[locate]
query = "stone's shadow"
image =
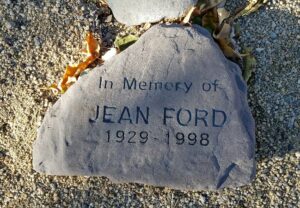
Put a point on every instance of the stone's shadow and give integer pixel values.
(274, 89)
(273, 137)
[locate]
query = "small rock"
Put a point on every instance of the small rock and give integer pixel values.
(2, 154)
(7, 2)
(37, 42)
(53, 186)
(273, 35)
(259, 49)
(108, 18)
(202, 199)
(10, 25)
(55, 197)
(138, 12)
(108, 36)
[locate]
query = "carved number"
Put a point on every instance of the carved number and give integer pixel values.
(121, 136)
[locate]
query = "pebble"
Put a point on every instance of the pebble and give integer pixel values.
(202, 199)
(109, 18)
(10, 25)
(259, 49)
(37, 42)
(2, 155)
(273, 35)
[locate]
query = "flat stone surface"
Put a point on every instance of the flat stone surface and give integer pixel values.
(137, 12)
(170, 110)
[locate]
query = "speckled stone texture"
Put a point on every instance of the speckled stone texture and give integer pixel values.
(194, 131)
(137, 12)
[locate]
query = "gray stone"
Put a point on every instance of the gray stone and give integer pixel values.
(181, 86)
(137, 12)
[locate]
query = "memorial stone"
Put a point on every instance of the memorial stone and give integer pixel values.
(170, 110)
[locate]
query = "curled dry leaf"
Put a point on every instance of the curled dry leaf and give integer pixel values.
(251, 7)
(222, 33)
(210, 20)
(228, 50)
(205, 5)
(103, 2)
(73, 71)
(212, 15)
(223, 14)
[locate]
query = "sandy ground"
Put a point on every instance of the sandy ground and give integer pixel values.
(38, 39)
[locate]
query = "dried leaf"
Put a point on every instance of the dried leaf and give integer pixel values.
(201, 4)
(249, 64)
(93, 46)
(124, 42)
(251, 7)
(224, 28)
(54, 89)
(223, 31)
(223, 14)
(73, 71)
(188, 16)
(206, 5)
(226, 20)
(228, 50)
(211, 20)
(104, 2)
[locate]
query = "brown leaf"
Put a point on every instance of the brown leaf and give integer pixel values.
(93, 46)
(73, 71)
(251, 7)
(206, 5)
(222, 31)
(228, 50)
(103, 2)
(211, 20)
(223, 14)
